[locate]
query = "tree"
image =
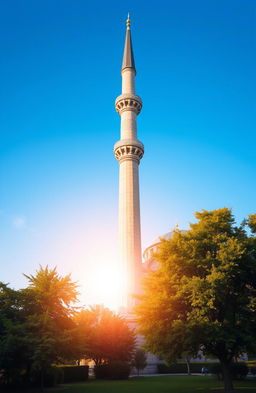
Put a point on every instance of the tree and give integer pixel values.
(13, 344)
(107, 336)
(203, 296)
(36, 325)
(139, 360)
(53, 294)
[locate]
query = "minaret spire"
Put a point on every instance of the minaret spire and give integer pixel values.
(129, 151)
(128, 21)
(128, 58)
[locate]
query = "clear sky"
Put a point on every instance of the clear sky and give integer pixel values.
(59, 76)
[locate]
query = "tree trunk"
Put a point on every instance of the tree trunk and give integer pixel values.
(188, 366)
(227, 376)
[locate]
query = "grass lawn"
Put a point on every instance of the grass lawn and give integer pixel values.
(161, 384)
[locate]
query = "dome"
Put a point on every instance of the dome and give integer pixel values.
(148, 254)
(150, 250)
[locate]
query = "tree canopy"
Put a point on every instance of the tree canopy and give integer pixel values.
(40, 326)
(203, 296)
(53, 294)
(108, 336)
(36, 328)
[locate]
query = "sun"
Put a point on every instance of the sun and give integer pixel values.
(105, 284)
(110, 288)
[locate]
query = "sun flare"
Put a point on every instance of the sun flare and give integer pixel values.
(105, 284)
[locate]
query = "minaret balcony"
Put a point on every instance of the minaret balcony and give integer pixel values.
(127, 149)
(128, 102)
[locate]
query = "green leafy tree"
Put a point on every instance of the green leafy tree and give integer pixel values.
(53, 294)
(14, 347)
(140, 360)
(36, 325)
(203, 296)
(107, 336)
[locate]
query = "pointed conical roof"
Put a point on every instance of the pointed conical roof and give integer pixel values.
(128, 58)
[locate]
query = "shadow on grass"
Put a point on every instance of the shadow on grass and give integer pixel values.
(247, 386)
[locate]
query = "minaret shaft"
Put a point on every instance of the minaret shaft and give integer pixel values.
(128, 81)
(128, 125)
(129, 227)
(128, 152)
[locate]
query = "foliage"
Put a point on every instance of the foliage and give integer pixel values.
(202, 297)
(181, 367)
(14, 342)
(115, 369)
(107, 336)
(139, 360)
(239, 371)
(74, 373)
(53, 295)
(52, 377)
(39, 326)
(253, 370)
(36, 328)
(101, 371)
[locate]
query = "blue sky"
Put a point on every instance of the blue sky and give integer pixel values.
(60, 74)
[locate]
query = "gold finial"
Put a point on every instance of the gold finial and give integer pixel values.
(128, 22)
(176, 227)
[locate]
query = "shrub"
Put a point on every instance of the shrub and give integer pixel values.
(239, 371)
(119, 370)
(197, 367)
(176, 368)
(75, 373)
(101, 371)
(14, 377)
(216, 370)
(113, 370)
(253, 370)
(181, 368)
(51, 377)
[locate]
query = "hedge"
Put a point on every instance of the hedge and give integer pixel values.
(252, 366)
(253, 370)
(239, 370)
(181, 368)
(52, 376)
(74, 373)
(113, 370)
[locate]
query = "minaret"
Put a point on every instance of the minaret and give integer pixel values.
(129, 151)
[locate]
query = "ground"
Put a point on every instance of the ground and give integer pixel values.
(161, 384)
